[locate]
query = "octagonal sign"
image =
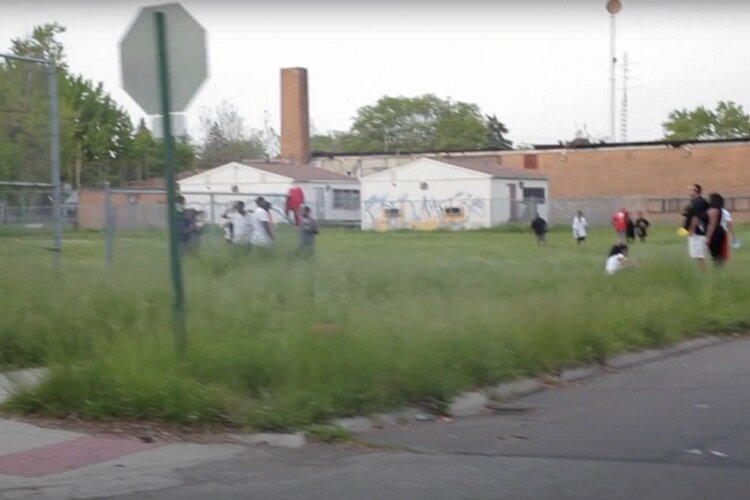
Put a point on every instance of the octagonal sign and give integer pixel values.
(186, 52)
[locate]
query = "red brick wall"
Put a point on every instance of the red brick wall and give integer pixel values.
(657, 171)
(91, 205)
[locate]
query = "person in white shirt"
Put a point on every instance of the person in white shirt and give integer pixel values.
(239, 223)
(579, 227)
(262, 236)
(618, 259)
(728, 225)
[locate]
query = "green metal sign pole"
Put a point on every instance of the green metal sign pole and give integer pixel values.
(180, 334)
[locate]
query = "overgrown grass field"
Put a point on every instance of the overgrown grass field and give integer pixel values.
(374, 322)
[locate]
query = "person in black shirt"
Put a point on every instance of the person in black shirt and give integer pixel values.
(695, 223)
(716, 235)
(630, 228)
(641, 227)
(539, 226)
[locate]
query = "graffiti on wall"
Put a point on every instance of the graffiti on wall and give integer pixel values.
(461, 211)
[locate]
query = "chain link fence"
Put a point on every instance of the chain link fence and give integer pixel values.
(119, 213)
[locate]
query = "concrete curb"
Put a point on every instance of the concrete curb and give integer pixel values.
(20, 380)
(477, 402)
(515, 389)
(468, 404)
(355, 424)
(471, 403)
(295, 440)
(629, 359)
(582, 373)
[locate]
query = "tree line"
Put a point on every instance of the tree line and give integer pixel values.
(99, 141)
(422, 123)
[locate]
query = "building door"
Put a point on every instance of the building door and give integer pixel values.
(513, 202)
(320, 203)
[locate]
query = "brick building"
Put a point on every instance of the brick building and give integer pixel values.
(654, 176)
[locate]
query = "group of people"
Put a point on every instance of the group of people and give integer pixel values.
(245, 230)
(627, 229)
(708, 226)
(580, 228)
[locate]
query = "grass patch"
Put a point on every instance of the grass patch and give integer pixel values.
(375, 322)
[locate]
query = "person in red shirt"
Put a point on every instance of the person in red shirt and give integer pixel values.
(294, 201)
(620, 223)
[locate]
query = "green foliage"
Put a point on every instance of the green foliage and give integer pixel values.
(419, 123)
(42, 44)
(727, 121)
(97, 138)
(283, 344)
(333, 142)
(496, 132)
(423, 123)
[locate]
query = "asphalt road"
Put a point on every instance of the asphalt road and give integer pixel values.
(674, 429)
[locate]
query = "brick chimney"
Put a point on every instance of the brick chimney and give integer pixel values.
(295, 116)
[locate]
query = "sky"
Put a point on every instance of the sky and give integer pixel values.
(542, 67)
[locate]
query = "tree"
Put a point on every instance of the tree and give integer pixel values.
(335, 141)
(96, 134)
(418, 124)
(42, 44)
(102, 133)
(727, 121)
(227, 138)
(496, 131)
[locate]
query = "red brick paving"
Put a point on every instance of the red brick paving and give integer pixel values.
(73, 454)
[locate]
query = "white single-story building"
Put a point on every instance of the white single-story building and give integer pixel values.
(455, 193)
(333, 197)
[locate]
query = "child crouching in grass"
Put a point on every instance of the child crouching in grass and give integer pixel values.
(618, 259)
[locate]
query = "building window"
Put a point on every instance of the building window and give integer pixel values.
(392, 213)
(453, 211)
(346, 199)
(534, 194)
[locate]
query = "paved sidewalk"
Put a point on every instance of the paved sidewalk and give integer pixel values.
(38, 462)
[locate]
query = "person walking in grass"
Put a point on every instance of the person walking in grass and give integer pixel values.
(539, 226)
(620, 223)
(580, 227)
(618, 259)
(629, 228)
(308, 231)
(716, 236)
(641, 227)
(239, 222)
(728, 225)
(695, 223)
(262, 236)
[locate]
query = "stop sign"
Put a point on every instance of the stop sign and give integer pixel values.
(186, 46)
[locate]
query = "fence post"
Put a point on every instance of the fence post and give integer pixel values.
(212, 229)
(109, 224)
(54, 129)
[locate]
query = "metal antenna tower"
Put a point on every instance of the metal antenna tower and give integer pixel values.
(624, 104)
